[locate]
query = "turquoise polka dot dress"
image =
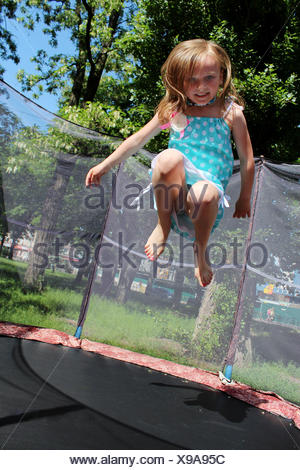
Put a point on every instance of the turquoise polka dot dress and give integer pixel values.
(205, 143)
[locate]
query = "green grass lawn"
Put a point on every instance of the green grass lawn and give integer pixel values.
(133, 326)
(56, 307)
(276, 377)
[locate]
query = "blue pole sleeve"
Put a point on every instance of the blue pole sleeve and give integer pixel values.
(78, 332)
(228, 372)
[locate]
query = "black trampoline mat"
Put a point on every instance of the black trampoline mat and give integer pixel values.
(54, 397)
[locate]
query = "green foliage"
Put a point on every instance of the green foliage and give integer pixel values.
(270, 100)
(239, 49)
(268, 88)
(101, 118)
(113, 121)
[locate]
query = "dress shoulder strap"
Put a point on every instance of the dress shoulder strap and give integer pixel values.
(230, 103)
(178, 123)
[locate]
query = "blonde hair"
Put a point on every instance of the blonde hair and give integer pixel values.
(180, 64)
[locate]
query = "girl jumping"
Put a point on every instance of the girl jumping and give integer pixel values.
(189, 179)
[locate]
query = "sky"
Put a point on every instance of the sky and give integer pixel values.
(28, 43)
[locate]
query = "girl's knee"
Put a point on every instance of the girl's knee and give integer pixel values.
(203, 192)
(169, 160)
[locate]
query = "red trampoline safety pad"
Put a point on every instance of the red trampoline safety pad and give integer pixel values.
(264, 400)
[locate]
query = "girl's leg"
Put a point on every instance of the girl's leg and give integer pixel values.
(168, 180)
(202, 208)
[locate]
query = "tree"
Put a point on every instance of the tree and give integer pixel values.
(262, 41)
(8, 126)
(94, 26)
(270, 91)
(8, 48)
(60, 204)
(215, 318)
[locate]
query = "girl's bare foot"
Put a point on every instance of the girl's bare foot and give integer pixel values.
(203, 271)
(157, 241)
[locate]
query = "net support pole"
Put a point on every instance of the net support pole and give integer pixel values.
(229, 360)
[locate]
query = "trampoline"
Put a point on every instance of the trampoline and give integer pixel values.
(182, 375)
(54, 397)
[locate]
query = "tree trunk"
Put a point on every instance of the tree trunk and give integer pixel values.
(97, 67)
(78, 80)
(126, 277)
(106, 283)
(206, 308)
(80, 273)
(244, 350)
(79, 74)
(2, 242)
(149, 286)
(178, 287)
(12, 247)
(244, 355)
(43, 237)
(3, 220)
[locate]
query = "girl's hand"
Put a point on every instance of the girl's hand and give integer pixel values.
(242, 208)
(94, 175)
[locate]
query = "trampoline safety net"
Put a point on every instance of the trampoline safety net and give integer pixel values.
(73, 258)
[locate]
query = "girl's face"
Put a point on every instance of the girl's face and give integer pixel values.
(203, 84)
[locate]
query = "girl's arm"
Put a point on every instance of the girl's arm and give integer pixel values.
(244, 148)
(127, 148)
